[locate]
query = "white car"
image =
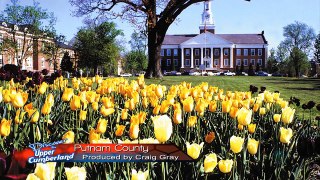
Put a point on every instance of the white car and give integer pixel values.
(194, 73)
(125, 75)
(229, 73)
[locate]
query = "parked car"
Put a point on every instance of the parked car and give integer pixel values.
(175, 73)
(125, 75)
(262, 73)
(244, 74)
(229, 73)
(140, 73)
(277, 74)
(195, 73)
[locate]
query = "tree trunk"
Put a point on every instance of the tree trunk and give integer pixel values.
(154, 48)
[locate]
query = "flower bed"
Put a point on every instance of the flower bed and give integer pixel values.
(229, 134)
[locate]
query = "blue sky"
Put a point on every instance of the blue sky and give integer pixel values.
(230, 17)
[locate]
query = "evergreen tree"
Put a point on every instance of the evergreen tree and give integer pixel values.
(257, 67)
(66, 64)
(237, 70)
(251, 71)
(241, 68)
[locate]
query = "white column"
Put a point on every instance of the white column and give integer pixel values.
(211, 57)
(231, 57)
(221, 57)
(201, 58)
(191, 59)
(182, 57)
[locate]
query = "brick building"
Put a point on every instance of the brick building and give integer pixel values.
(30, 49)
(214, 52)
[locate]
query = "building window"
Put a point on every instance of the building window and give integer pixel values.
(168, 62)
(226, 52)
(253, 52)
(162, 52)
(168, 52)
(238, 62)
(197, 62)
(207, 53)
(175, 62)
(260, 62)
(196, 52)
(259, 52)
(187, 52)
(187, 62)
(253, 62)
(245, 52)
(238, 52)
(226, 62)
(245, 62)
(216, 52)
(175, 52)
(216, 62)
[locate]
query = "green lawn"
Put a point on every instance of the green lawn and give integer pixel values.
(305, 89)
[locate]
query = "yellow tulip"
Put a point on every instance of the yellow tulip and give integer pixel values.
(17, 100)
(276, 118)
(102, 125)
(162, 127)
(120, 129)
(19, 116)
(134, 130)
(75, 103)
(156, 110)
(210, 137)
(142, 117)
(240, 127)
(225, 166)
(42, 88)
(5, 127)
(32, 176)
(236, 144)
(188, 104)
(124, 114)
(165, 105)
(268, 97)
(91, 96)
(244, 116)
(139, 175)
(145, 102)
(46, 108)
(68, 137)
(67, 94)
(194, 149)
(192, 120)
(213, 106)
(159, 91)
(210, 162)
(252, 128)
(256, 107)
(76, 173)
(233, 112)
(252, 146)
(285, 135)
(45, 171)
(287, 115)
(93, 135)
(35, 117)
(83, 115)
(177, 116)
(95, 106)
(106, 111)
(50, 99)
(262, 111)
(226, 106)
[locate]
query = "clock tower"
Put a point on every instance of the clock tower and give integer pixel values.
(207, 23)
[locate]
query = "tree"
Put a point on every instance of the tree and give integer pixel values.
(138, 42)
(257, 67)
(241, 67)
(300, 61)
(298, 35)
(152, 15)
(66, 64)
(272, 64)
(136, 61)
(33, 20)
(317, 49)
(96, 45)
(54, 49)
(251, 71)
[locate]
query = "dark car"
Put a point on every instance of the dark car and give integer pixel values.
(277, 74)
(262, 73)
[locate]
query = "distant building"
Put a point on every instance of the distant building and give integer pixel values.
(211, 51)
(30, 49)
